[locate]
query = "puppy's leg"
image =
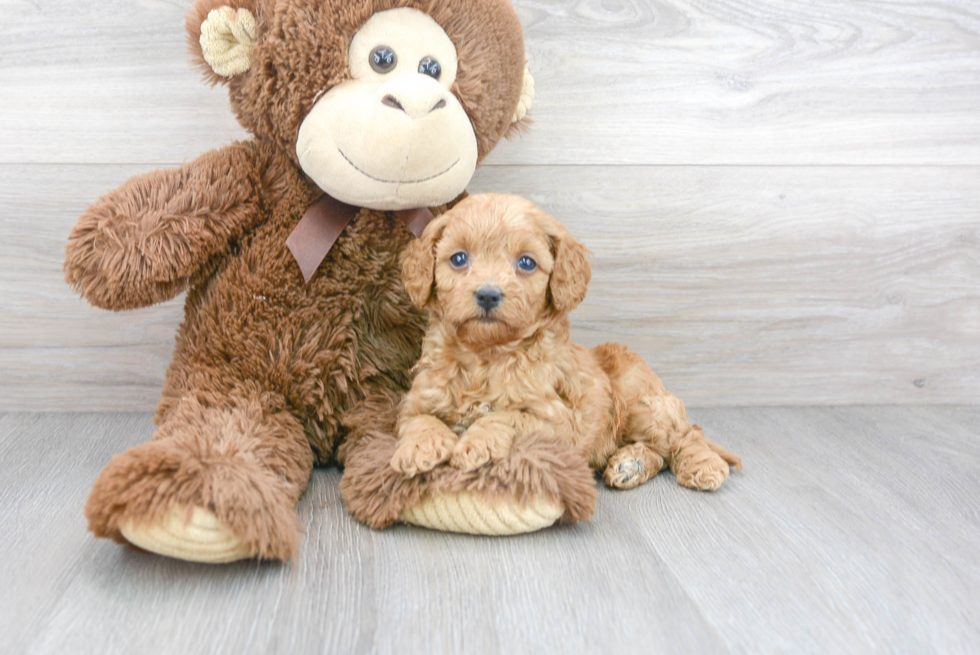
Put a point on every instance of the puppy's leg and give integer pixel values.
(699, 463)
(658, 420)
(632, 465)
(424, 442)
(490, 438)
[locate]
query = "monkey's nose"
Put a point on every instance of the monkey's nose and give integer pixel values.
(488, 297)
(391, 101)
(415, 107)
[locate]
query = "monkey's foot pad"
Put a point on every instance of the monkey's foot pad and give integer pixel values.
(540, 482)
(195, 536)
(472, 514)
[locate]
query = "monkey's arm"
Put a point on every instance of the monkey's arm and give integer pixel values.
(139, 244)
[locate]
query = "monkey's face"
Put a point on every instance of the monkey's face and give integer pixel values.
(394, 136)
(385, 104)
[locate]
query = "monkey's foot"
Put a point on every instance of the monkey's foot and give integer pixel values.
(188, 533)
(539, 482)
(474, 514)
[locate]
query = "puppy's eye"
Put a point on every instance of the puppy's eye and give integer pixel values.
(526, 264)
(429, 66)
(383, 59)
(459, 260)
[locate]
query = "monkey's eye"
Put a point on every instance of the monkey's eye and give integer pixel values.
(459, 260)
(526, 264)
(429, 66)
(383, 59)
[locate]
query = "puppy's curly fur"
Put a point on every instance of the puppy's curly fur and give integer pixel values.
(498, 277)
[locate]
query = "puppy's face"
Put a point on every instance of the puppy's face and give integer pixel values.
(494, 268)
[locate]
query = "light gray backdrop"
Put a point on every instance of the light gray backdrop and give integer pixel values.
(783, 198)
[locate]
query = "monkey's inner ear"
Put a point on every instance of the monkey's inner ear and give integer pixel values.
(527, 97)
(226, 39)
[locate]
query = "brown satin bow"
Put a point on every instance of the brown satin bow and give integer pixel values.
(321, 225)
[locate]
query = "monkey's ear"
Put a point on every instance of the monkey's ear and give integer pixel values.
(572, 272)
(220, 36)
(527, 97)
(419, 262)
(520, 121)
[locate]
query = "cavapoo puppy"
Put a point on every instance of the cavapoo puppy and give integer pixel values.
(498, 277)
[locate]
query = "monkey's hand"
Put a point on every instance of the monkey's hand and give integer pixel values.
(139, 244)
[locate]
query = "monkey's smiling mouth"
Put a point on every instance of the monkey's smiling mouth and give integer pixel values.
(378, 179)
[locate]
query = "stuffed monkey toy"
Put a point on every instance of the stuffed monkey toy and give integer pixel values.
(367, 118)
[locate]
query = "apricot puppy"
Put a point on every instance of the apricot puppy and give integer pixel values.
(498, 277)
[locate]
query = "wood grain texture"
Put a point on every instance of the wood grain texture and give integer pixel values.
(740, 285)
(619, 82)
(851, 530)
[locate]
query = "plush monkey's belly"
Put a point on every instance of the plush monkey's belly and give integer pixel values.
(255, 328)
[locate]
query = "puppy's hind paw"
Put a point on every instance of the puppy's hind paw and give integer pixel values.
(631, 466)
(706, 473)
(626, 474)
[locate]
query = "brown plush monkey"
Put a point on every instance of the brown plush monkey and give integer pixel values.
(367, 117)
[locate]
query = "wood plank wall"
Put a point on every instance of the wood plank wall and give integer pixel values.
(783, 197)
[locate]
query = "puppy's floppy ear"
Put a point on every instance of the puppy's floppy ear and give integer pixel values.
(419, 262)
(572, 272)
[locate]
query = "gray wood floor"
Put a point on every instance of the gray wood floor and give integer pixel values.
(851, 530)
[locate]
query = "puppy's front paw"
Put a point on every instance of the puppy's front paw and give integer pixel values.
(420, 453)
(480, 444)
(470, 454)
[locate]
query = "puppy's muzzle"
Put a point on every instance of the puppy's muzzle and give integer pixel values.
(488, 297)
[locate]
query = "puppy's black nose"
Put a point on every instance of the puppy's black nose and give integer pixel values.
(488, 297)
